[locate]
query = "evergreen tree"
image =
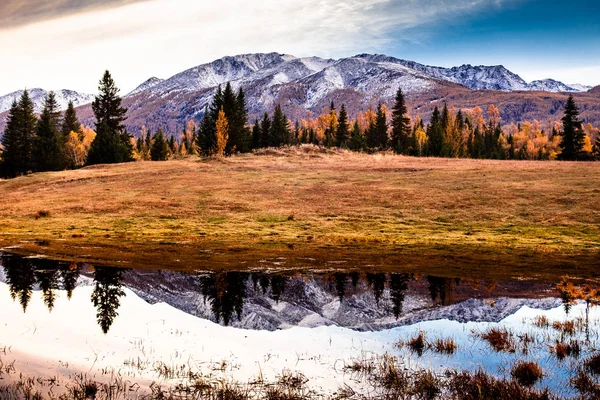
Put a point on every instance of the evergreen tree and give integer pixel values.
(573, 136)
(255, 135)
(435, 132)
(342, 135)
(265, 131)
(400, 126)
(112, 143)
(70, 122)
(296, 138)
(160, 149)
(17, 141)
(49, 145)
(381, 128)
(357, 140)
(279, 134)
(312, 137)
(371, 135)
(597, 148)
(172, 145)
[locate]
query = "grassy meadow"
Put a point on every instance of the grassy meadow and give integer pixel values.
(312, 208)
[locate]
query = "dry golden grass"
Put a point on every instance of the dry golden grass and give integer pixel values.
(463, 216)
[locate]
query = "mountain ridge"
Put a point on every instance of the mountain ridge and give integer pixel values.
(310, 83)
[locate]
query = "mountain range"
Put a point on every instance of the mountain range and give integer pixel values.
(310, 83)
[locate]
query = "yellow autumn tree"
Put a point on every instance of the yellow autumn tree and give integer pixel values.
(421, 140)
(78, 145)
(222, 135)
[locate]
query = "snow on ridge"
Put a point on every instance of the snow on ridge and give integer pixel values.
(38, 95)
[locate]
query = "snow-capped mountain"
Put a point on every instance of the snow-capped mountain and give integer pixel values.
(310, 83)
(365, 72)
(38, 95)
(150, 83)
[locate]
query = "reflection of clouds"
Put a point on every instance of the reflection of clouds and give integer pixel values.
(163, 37)
(21, 12)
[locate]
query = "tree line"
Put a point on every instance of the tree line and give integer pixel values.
(56, 141)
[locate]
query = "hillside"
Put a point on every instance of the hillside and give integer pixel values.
(307, 208)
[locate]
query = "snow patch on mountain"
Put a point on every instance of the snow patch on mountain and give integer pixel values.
(149, 84)
(38, 96)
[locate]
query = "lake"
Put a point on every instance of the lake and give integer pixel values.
(324, 334)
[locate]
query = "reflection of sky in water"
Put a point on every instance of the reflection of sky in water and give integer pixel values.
(142, 326)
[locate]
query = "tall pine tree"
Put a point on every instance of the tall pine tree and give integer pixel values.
(280, 133)
(342, 136)
(49, 144)
(435, 132)
(573, 136)
(381, 128)
(160, 148)
(400, 126)
(17, 141)
(112, 143)
(70, 122)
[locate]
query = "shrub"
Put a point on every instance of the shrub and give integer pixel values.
(527, 373)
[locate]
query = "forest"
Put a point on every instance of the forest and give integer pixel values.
(55, 141)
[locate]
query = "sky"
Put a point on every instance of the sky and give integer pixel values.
(67, 44)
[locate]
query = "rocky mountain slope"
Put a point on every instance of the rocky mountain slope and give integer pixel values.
(310, 83)
(38, 95)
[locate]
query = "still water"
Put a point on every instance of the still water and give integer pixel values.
(62, 320)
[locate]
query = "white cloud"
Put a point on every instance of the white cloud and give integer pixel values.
(163, 37)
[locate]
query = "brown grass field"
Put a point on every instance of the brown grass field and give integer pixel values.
(307, 208)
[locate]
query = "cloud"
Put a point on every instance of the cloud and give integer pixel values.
(163, 37)
(22, 12)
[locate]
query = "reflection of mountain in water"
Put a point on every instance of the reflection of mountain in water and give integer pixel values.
(251, 300)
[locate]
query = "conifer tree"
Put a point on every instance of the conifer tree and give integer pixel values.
(160, 149)
(400, 126)
(312, 137)
(573, 136)
(343, 131)
(112, 143)
(371, 135)
(70, 122)
(381, 128)
(172, 145)
(207, 136)
(265, 131)
(357, 140)
(597, 148)
(296, 138)
(255, 135)
(48, 147)
(279, 133)
(435, 132)
(17, 141)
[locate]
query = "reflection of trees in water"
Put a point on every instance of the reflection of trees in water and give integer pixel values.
(398, 285)
(48, 281)
(377, 283)
(23, 273)
(226, 293)
(442, 288)
(340, 284)
(70, 274)
(277, 287)
(108, 290)
(20, 277)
